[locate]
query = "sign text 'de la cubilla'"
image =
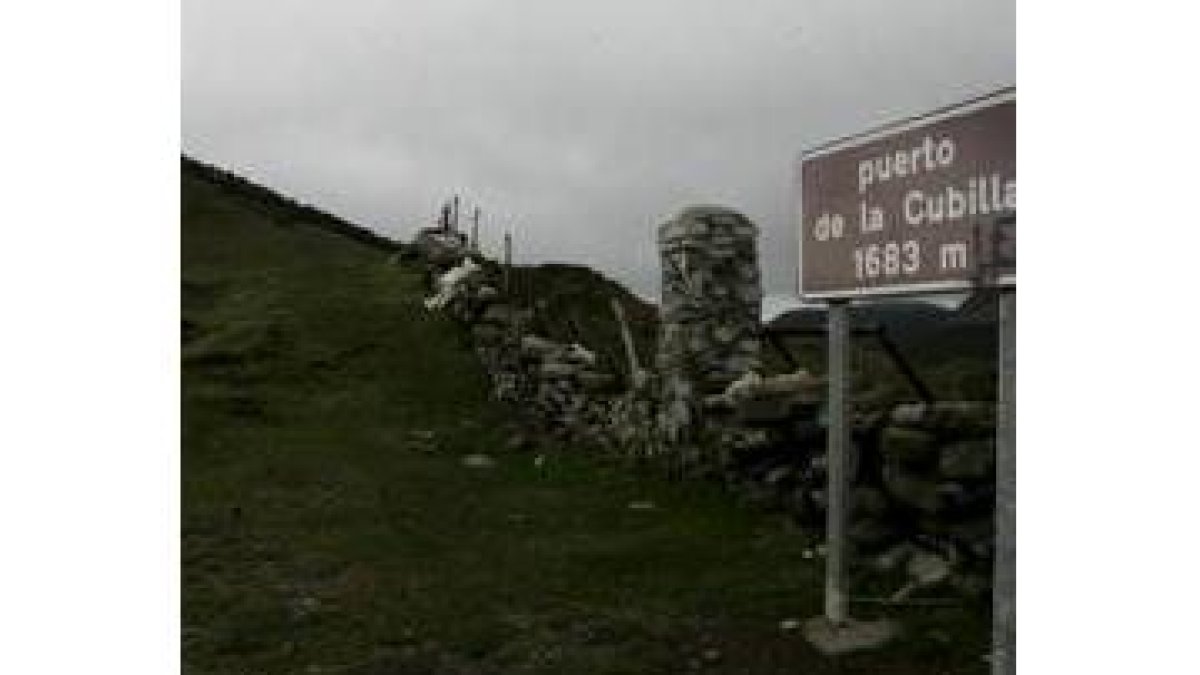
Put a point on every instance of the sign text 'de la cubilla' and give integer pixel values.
(924, 205)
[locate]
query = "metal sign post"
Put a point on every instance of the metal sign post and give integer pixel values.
(1004, 587)
(836, 632)
(838, 491)
(921, 205)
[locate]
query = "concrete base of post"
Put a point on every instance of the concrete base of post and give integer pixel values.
(851, 635)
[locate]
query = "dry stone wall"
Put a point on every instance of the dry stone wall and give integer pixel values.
(923, 481)
(923, 473)
(562, 389)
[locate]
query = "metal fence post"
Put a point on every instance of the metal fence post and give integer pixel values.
(508, 265)
(475, 231)
(1004, 600)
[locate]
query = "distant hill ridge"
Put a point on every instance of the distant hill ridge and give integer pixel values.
(922, 329)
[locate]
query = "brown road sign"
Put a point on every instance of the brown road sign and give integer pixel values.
(924, 205)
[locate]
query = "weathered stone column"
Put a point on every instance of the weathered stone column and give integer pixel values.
(711, 303)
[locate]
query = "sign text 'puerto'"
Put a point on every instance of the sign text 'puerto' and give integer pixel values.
(925, 205)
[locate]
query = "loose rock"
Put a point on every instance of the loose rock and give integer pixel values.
(478, 461)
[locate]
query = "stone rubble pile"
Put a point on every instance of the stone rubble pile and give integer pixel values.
(564, 388)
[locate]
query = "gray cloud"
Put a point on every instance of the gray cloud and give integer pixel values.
(579, 126)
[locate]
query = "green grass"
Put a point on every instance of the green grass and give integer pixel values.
(329, 526)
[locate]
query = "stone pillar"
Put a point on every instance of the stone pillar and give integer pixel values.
(711, 304)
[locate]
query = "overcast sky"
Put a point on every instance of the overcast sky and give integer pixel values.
(579, 126)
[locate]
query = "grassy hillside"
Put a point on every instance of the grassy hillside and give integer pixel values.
(330, 526)
(572, 304)
(264, 202)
